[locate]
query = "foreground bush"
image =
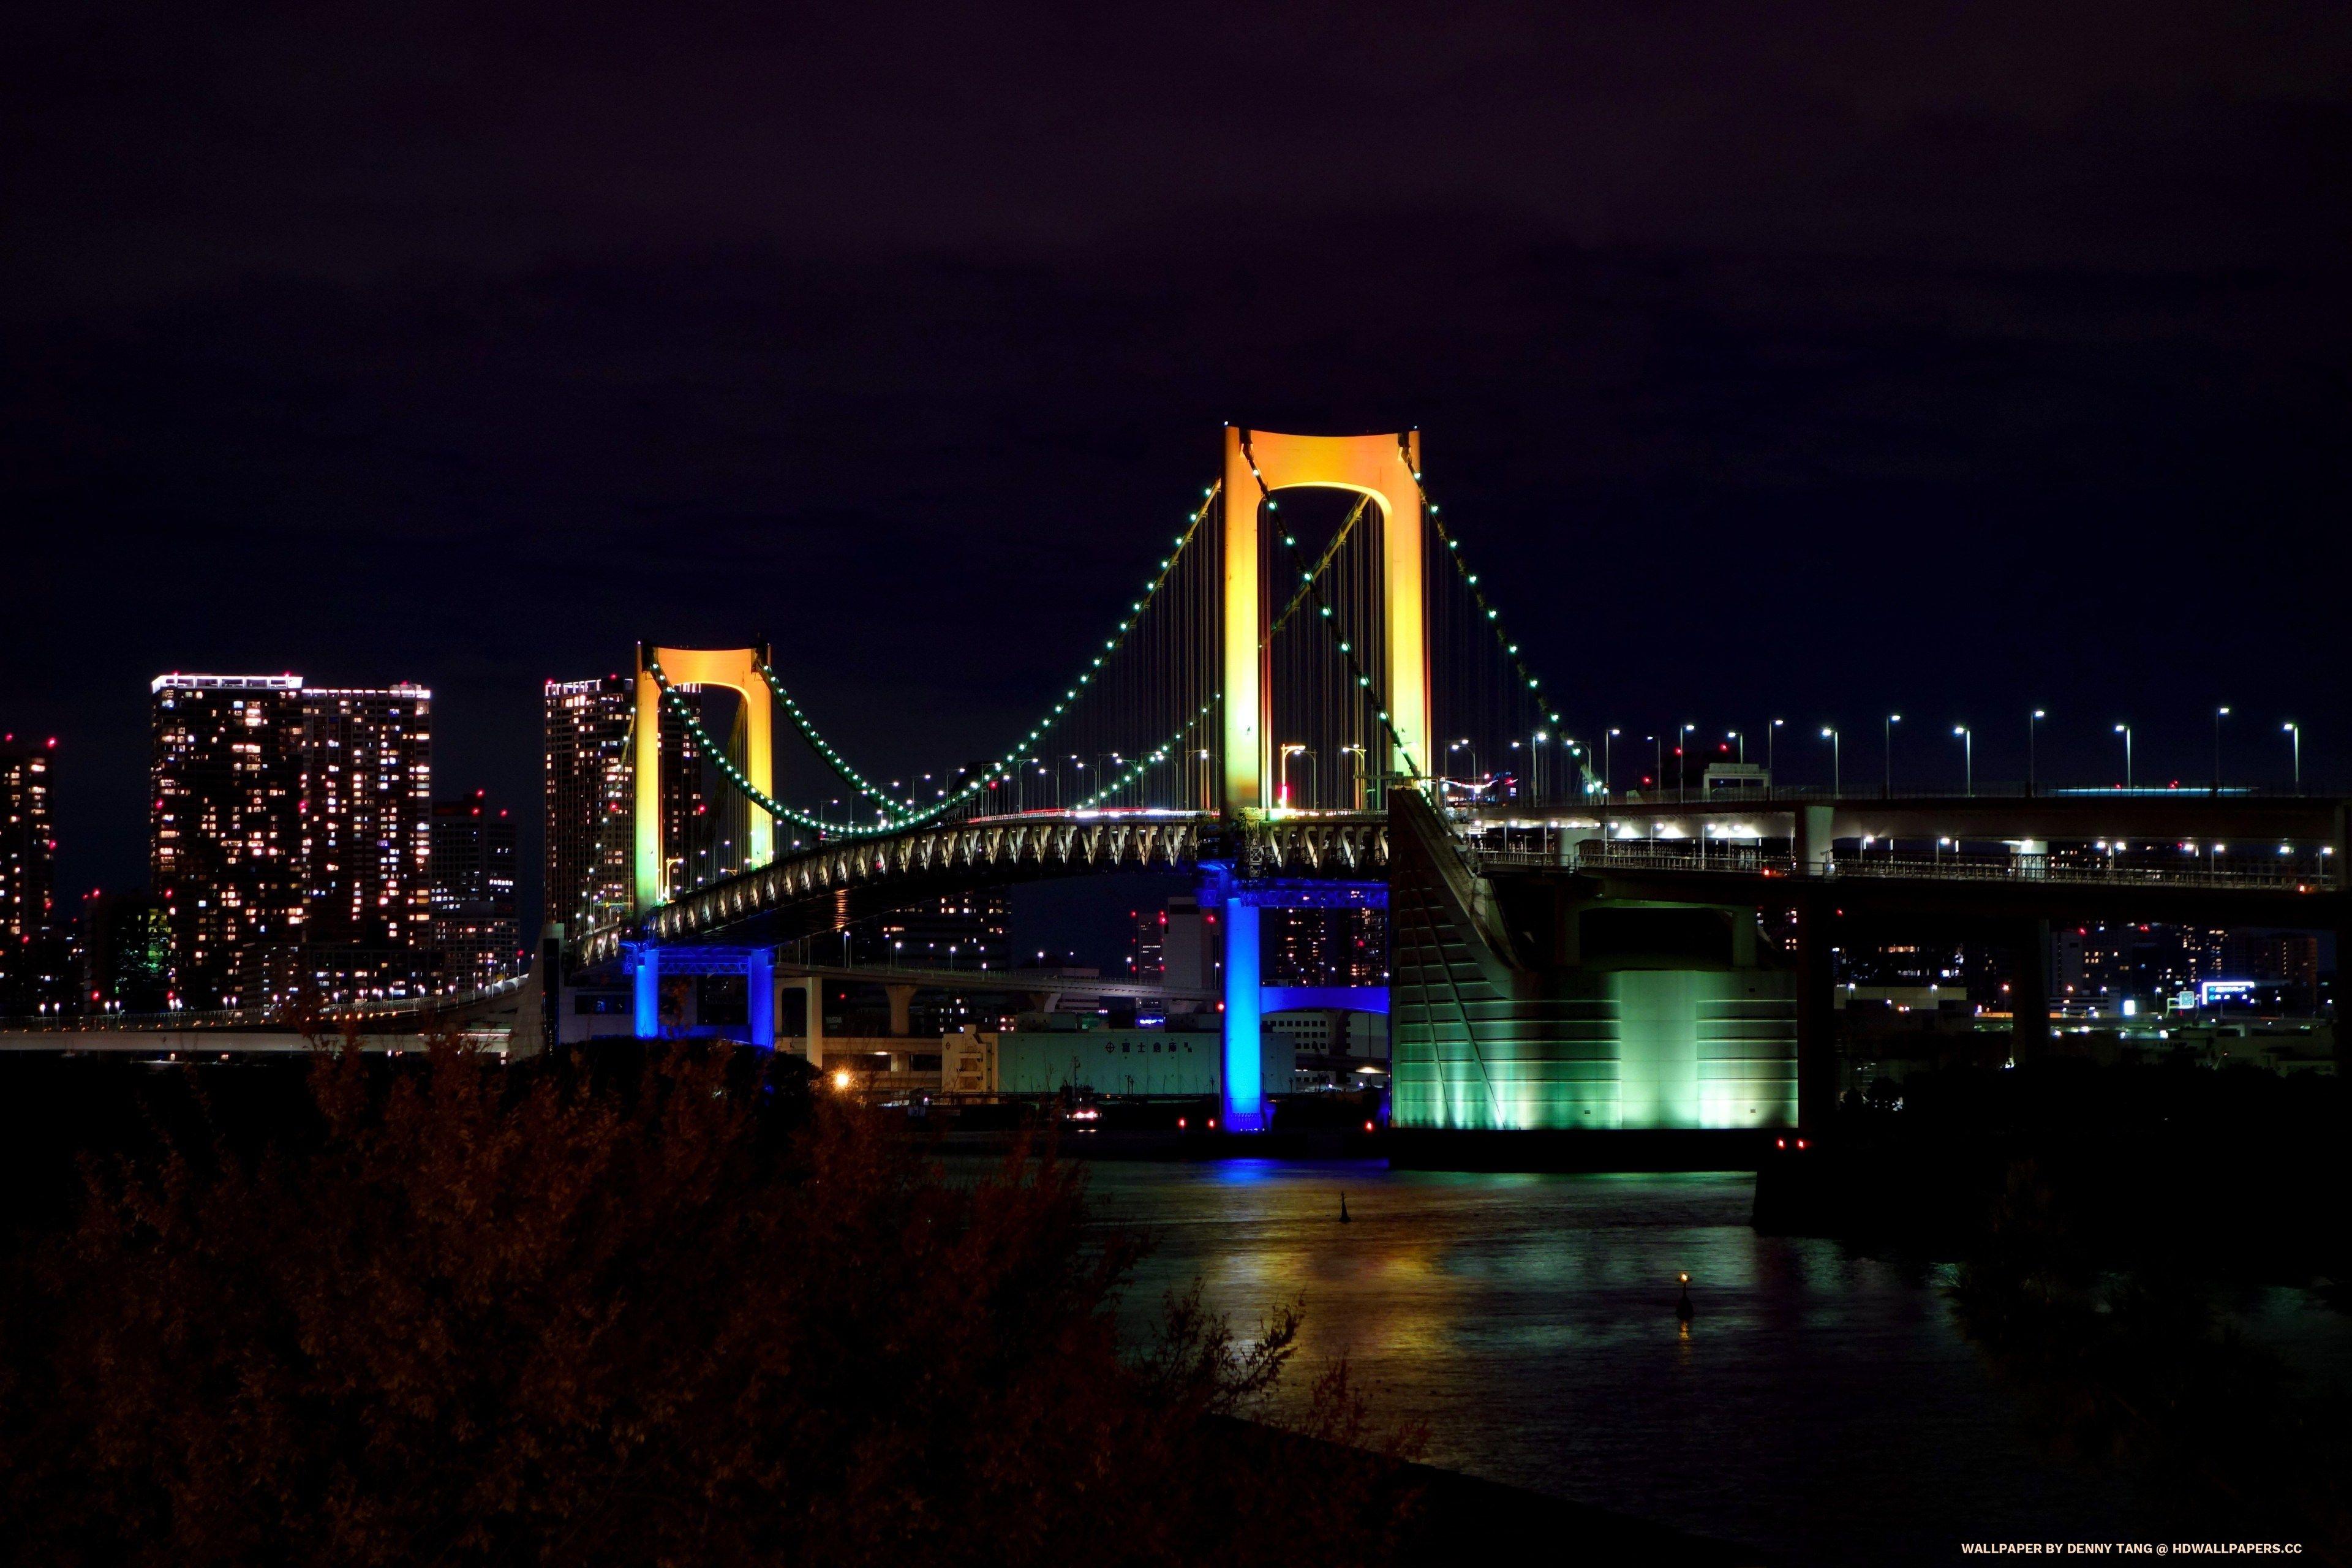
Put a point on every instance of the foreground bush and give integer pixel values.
(667, 1313)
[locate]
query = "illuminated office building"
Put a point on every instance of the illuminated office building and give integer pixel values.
(1325, 947)
(225, 844)
(474, 928)
(29, 935)
(290, 838)
(126, 953)
(367, 817)
(589, 772)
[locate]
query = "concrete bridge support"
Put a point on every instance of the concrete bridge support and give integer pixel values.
(812, 1016)
(902, 1007)
(1245, 1091)
(646, 991)
(2028, 996)
(759, 997)
(1817, 1057)
(1815, 827)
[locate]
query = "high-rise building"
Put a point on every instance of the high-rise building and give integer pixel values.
(367, 817)
(1342, 946)
(586, 748)
(226, 839)
(590, 773)
(27, 877)
(1147, 957)
(955, 931)
(473, 921)
(126, 953)
(290, 838)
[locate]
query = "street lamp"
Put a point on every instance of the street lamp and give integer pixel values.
(1464, 745)
(1770, 732)
(2031, 720)
(1682, 758)
(2296, 731)
(1829, 733)
(2219, 714)
(1356, 774)
(2125, 730)
(1605, 758)
(1736, 735)
(1967, 759)
(1887, 743)
(1291, 748)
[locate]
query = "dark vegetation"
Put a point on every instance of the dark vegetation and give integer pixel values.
(666, 1308)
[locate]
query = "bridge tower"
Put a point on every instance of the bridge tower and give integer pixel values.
(689, 670)
(1384, 468)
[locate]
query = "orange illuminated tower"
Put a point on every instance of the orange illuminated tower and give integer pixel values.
(1385, 468)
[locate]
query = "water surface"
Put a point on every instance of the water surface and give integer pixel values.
(1824, 1404)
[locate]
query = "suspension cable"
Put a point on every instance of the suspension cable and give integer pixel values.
(906, 815)
(1470, 579)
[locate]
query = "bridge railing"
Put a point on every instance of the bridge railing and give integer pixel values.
(2042, 869)
(1757, 859)
(1992, 790)
(329, 1016)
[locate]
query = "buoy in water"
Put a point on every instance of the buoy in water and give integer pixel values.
(1683, 1306)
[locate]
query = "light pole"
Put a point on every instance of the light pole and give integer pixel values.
(1887, 743)
(1659, 777)
(2296, 731)
(1606, 757)
(1829, 733)
(2030, 720)
(1289, 750)
(1682, 758)
(2125, 730)
(1736, 735)
(1770, 731)
(1355, 774)
(2219, 714)
(1967, 759)
(1464, 745)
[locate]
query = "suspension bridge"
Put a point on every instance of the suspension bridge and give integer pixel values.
(1320, 703)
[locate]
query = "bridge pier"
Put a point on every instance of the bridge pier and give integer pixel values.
(647, 991)
(902, 1005)
(1245, 1074)
(1817, 1060)
(812, 1018)
(1815, 828)
(2029, 999)
(759, 997)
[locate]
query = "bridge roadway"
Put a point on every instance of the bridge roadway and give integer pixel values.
(826, 888)
(1991, 815)
(493, 1016)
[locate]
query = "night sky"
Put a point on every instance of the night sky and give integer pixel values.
(1799, 360)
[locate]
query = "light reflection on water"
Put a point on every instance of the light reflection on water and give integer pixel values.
(1824, 1404)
